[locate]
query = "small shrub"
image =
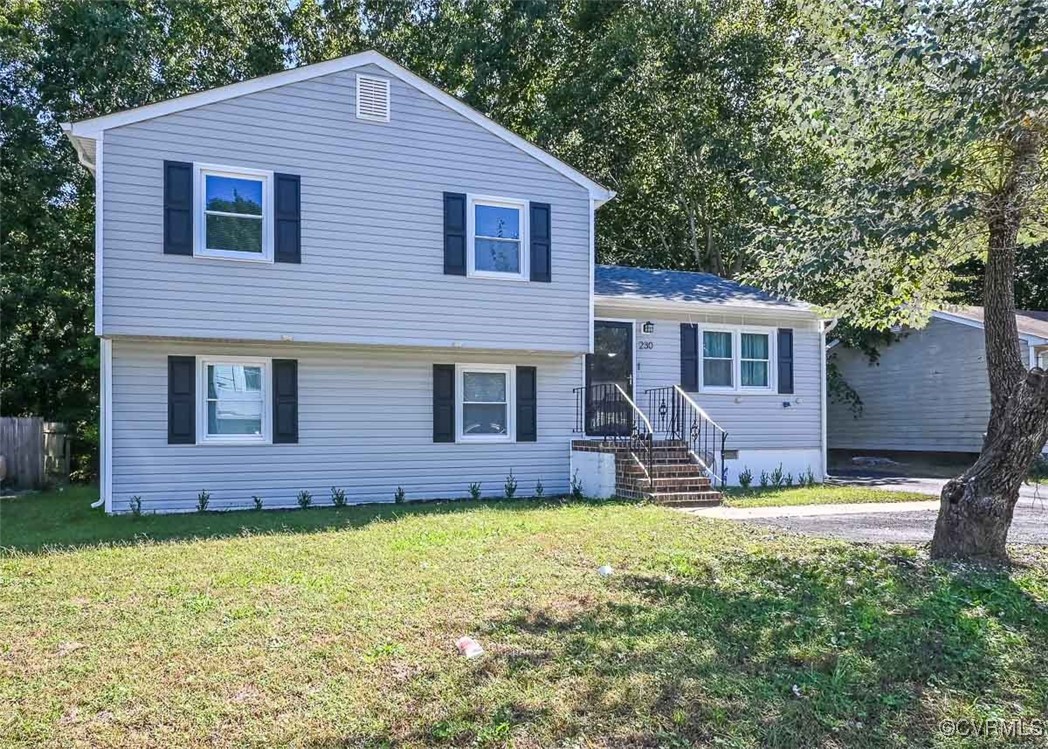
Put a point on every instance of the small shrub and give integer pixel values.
(765, 482)
(746, 478)
(511, 485)
(474, 490)
(305, 499)
(540, 490)
(135, 503)
(258, 502)
(338, 497)
(202, 500)
(789, 479)
(576, 487)
(399, 495)
(809, 478)
(778, 478)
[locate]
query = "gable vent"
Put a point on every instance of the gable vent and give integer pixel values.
(372, 98)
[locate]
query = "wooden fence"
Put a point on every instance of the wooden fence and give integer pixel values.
(35, 452)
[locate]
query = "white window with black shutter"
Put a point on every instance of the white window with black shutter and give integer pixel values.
(497, 237)
(232, 400)
(231, 213)
(734, 359)
(485, 403)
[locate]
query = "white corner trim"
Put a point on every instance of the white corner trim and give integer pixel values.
(92, 128)
(99, 207)
(105, 461)
(823, 392)
(592, 266)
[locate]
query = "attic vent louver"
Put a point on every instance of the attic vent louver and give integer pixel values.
(372, 98)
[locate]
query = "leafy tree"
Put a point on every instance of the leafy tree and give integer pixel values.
(1031, 278)
(931, 120)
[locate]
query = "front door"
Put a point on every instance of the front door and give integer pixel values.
(610, 365)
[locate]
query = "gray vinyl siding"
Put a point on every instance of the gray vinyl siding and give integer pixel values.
(753, 421)
(928, 391)
(372, 227)
(365, 425)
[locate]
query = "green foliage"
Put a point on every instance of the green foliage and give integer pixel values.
(746, 478)
(576, 487)
(338, 497)
(305, 499)
(474, 490)
(135, 505)
(400, 496)
(257, 501)
(1031, 278)
(540, 490)
(203, 498)
(510, 487)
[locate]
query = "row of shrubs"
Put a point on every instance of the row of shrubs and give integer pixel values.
(776, 479)
(339, 499)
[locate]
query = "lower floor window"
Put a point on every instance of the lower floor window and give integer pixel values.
(235, 400)
(485, 402)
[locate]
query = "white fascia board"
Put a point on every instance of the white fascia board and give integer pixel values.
(90, 129)
(682, 307)
(1030, 338)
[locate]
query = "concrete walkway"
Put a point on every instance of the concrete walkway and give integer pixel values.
(797, 511)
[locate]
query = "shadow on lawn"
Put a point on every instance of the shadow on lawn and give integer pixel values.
(849, 648)
(39, 524)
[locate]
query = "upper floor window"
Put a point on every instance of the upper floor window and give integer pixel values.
(497, 237)
(234, 213)
(235, 402)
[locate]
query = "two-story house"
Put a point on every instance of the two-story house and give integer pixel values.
(341, 276)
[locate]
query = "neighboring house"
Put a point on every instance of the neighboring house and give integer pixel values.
(928, 391)
(341, 276)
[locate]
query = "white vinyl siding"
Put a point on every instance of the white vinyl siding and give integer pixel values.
(372, 228)
(365, 425)
(755, 420)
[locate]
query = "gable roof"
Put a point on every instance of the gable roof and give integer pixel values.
(84, 133)
(1032, 324)
(616, 283)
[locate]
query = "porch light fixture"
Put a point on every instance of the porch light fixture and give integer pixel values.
(648, 328)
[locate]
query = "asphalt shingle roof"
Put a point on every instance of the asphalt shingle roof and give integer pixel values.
(683, 286)
(1031, 322)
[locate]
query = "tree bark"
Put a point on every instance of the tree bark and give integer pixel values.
(975, 510)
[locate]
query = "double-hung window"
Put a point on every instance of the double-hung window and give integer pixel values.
(497, 237)
(234, 213)
(736, 360)
(718, 368)
(755, 360)
(485, 402)
(235, 402)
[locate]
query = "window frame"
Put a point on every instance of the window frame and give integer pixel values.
(737, 387)
(772, 359)
(266, 438)
(703, 387)
(472, 201)
(200, 249)
(510, 372)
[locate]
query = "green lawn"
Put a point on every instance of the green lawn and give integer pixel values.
(816, 495)
(327, 628)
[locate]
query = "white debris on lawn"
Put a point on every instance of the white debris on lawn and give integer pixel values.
(605, 570)
(469, 647)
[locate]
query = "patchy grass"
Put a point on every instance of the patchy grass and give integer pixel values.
(825, 494)
(336, 628)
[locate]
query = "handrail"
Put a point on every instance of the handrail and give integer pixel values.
(698, 408)
(636, 409)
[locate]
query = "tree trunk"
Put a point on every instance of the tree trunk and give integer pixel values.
(975, 510)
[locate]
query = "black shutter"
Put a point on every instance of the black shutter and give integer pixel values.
(454, 234)
(178, 208)
(527, 404)
(443, 402)
(285, 401)
(541, 243)
(785, 360)
(288, 218)
(181, 400)
(689, 357)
